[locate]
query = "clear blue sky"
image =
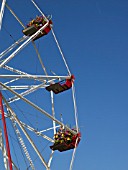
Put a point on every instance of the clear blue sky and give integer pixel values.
(93, 35)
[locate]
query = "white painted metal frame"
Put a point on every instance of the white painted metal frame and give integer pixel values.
(41, 78)
(38, 77)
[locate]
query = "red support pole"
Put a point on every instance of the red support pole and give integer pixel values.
(5, 133)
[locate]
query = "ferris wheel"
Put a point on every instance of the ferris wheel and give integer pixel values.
(35, 98)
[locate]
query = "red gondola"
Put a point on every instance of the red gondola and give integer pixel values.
(61, 86)
(34, 25)
(64, 146)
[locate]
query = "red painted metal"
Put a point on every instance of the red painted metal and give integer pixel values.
(5, 133)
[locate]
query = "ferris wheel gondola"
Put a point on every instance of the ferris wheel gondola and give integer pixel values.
(35, 25)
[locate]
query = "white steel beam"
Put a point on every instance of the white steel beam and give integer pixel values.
(73, 155)
(39, 10)
(12, 46)
(49, 129)
(61, 52)
(54, 126)
(53, 112)
(37, 132)
(24, 87)
(39, 77)
(2, 12)
(75, 107)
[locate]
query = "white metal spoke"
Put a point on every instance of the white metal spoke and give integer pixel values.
(8, 82)
(15, 70)
(73, 155)
(38, 133)
(53, 112)
(49, 129)
(61, 52)
(15, 15)
(23, 87)
(39, 10)
(38, 77)
(54, 126)
(75, 108)
(2, 12)
(12, 46)
(39, 57)
(50, 159)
